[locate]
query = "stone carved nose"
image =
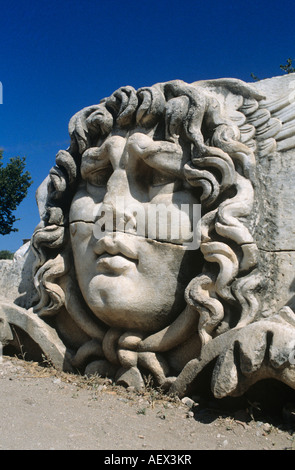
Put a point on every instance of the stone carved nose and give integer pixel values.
(119, 207)
(115, 218)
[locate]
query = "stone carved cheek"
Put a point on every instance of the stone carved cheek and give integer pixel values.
(81, 231)
(73, 229)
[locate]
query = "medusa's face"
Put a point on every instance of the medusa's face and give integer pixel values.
(129, 221)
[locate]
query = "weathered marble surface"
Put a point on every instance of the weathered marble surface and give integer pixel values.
(114, 299)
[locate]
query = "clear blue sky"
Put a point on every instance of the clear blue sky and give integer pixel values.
(60, 56)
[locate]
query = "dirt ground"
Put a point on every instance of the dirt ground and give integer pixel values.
(42, 409)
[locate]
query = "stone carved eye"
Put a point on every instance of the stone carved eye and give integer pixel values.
(160, 178)
(99, 177)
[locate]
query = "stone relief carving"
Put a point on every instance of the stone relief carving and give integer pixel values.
(122, 303)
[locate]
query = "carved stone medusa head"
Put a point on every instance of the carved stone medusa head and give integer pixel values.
(132, 290)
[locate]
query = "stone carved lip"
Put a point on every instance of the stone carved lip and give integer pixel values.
(116, 254)
(114, 264)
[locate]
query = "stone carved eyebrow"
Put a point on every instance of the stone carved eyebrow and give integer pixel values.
(95, 159)
(167, 157)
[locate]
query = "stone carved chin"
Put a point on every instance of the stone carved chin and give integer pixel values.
(125, 302)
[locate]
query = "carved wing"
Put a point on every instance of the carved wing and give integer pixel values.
(273, 120)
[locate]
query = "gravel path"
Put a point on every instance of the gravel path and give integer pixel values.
(43, 409)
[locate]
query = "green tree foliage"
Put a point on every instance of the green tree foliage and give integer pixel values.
(256, 79)
(14, 184)
(288, 68)
(6, 254)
